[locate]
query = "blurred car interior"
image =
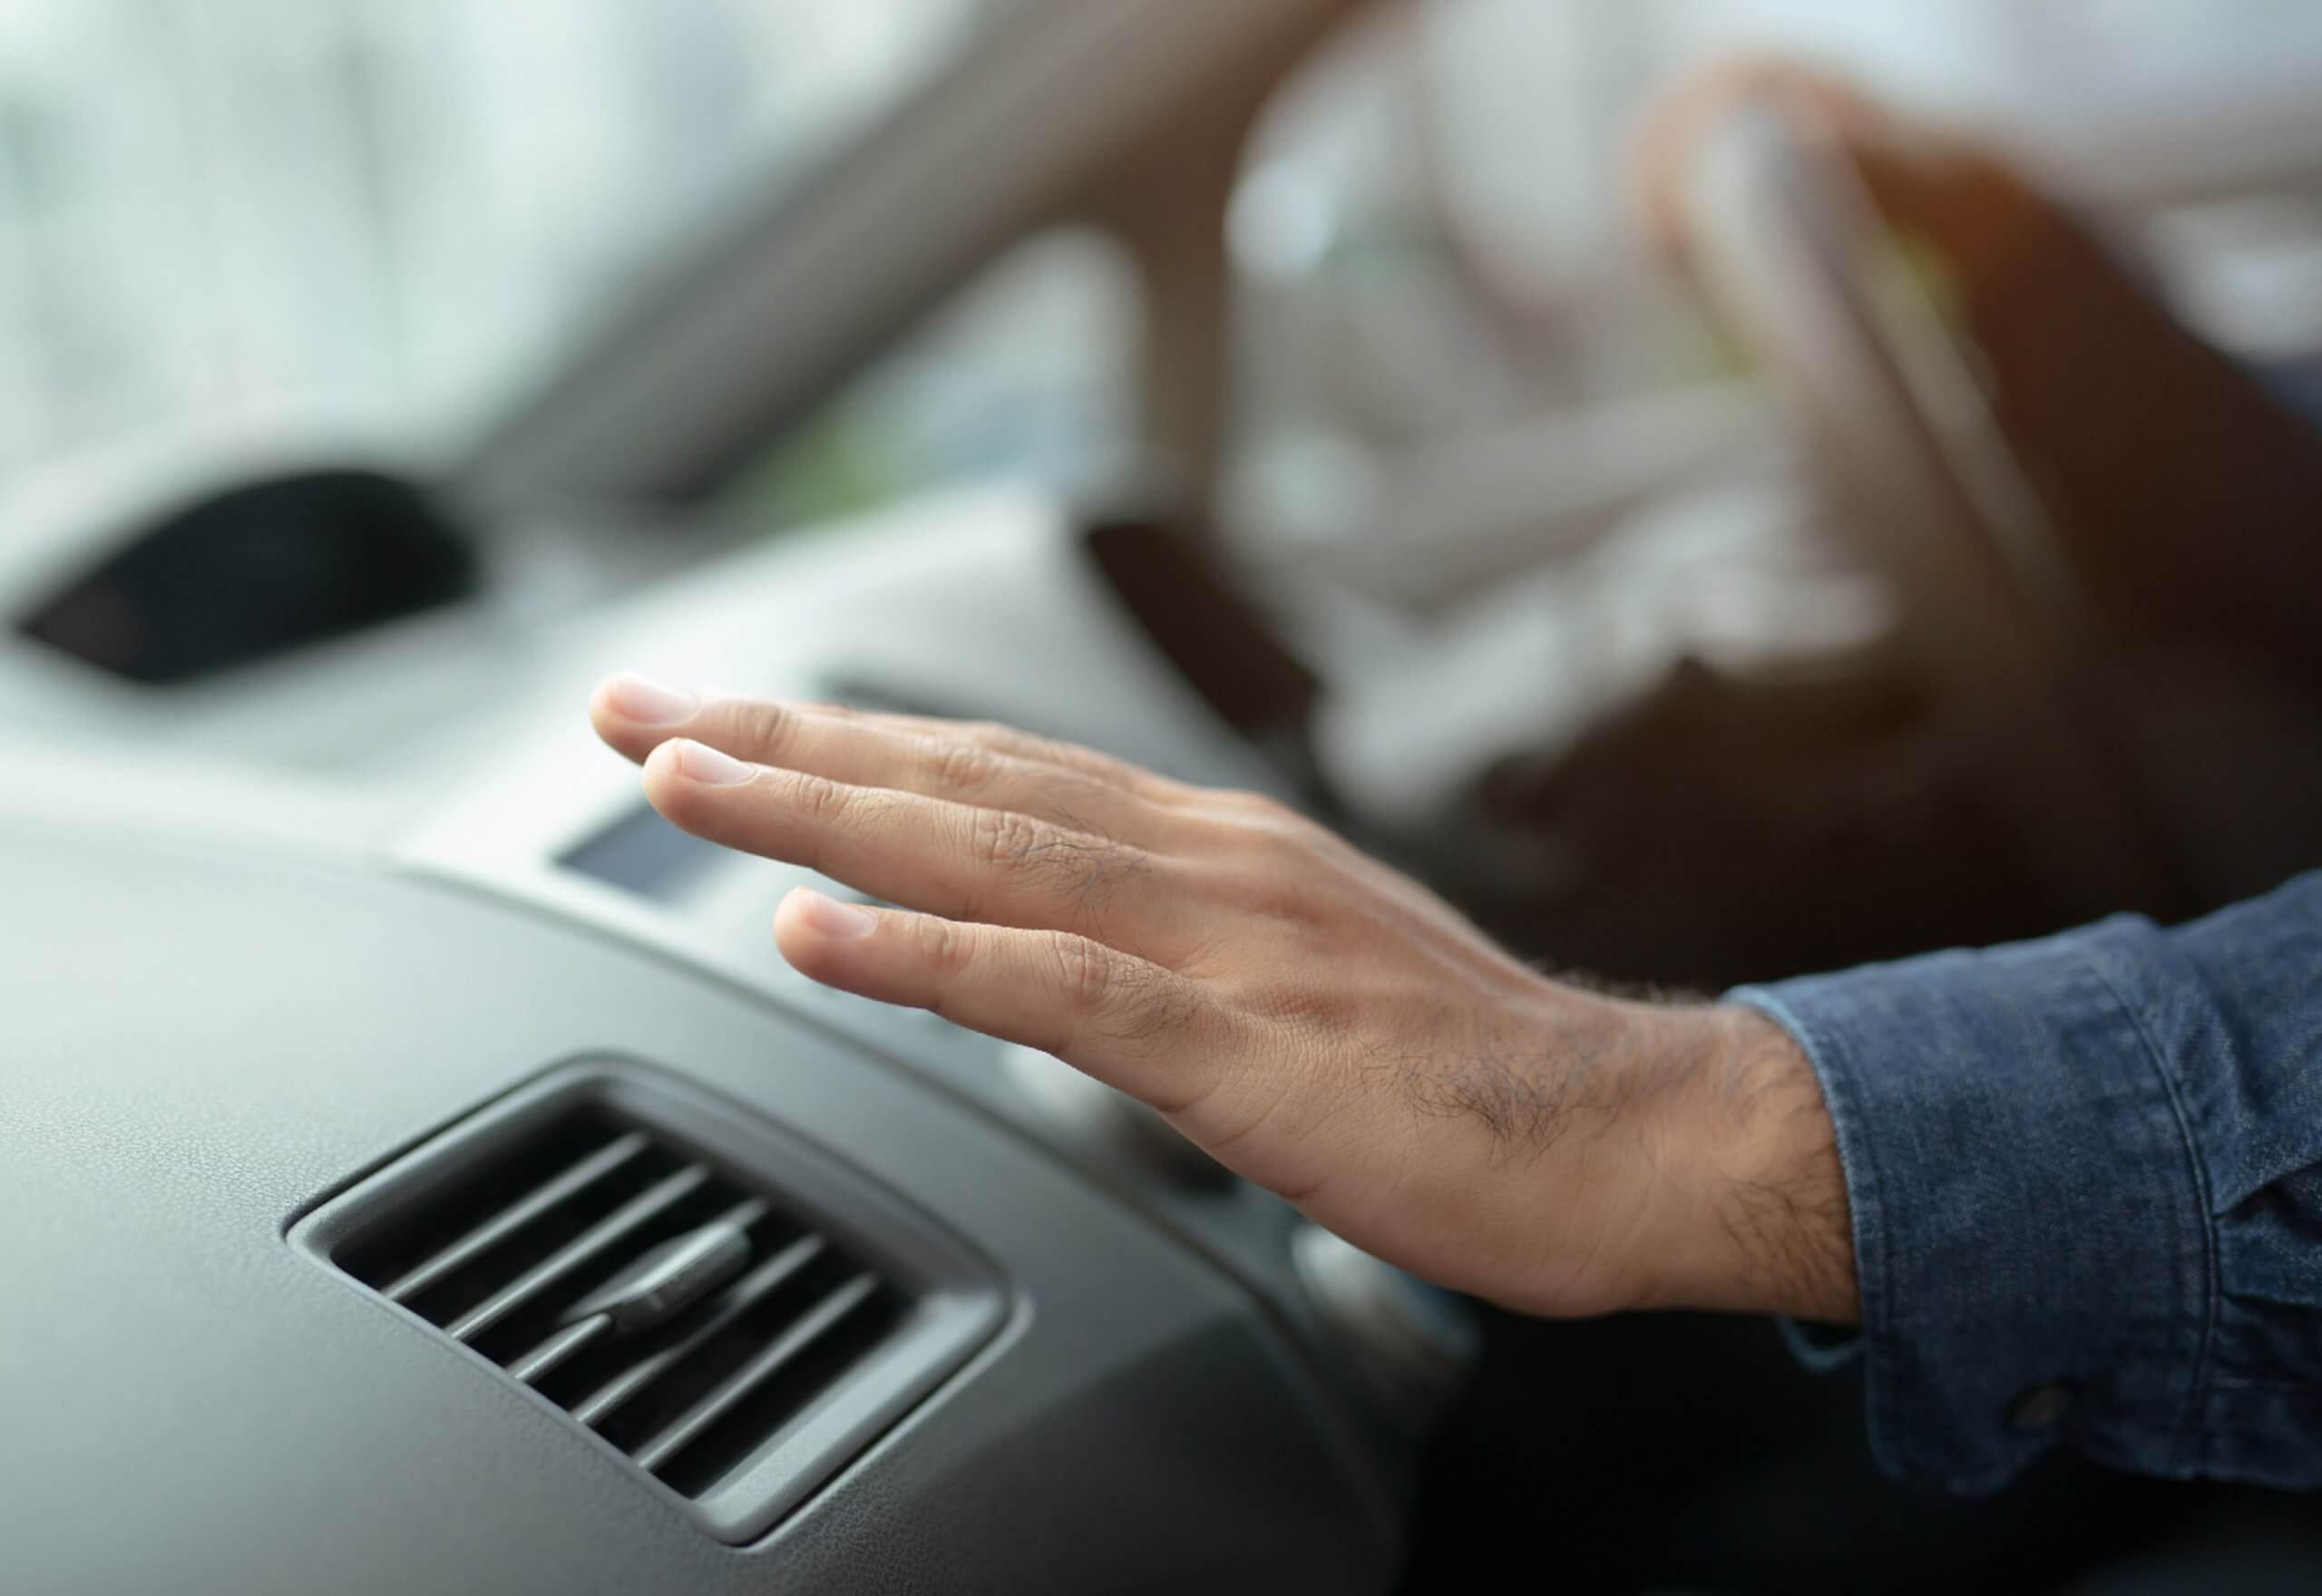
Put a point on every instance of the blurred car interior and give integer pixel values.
(1276, 392)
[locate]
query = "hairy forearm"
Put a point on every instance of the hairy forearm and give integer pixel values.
(1752, 1205)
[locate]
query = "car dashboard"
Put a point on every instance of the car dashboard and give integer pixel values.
(426, 1175)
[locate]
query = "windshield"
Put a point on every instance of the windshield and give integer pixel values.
(381, 214)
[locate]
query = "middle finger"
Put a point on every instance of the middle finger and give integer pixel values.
(954, 859)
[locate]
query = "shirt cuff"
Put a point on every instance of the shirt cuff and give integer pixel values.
(2032, 1250)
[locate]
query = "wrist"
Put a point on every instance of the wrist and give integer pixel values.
(1749, 1206)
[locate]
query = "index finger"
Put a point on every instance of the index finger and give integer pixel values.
(949, 859)
(636, 715)
(931, 757)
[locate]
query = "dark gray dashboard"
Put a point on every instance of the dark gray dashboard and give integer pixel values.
(205, 1040)
(269, 941)
(272, 940)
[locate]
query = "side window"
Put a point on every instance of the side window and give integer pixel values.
(1029, 370)
(384, 214)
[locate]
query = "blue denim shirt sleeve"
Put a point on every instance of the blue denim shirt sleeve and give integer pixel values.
(2085, 1177)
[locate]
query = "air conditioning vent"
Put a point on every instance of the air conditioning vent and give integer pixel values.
(726, 1306)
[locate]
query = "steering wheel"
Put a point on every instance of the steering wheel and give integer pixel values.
(1793, 253)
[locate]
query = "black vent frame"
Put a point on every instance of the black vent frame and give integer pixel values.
(849, 1308)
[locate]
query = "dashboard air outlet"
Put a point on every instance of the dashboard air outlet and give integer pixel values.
(728, 1307)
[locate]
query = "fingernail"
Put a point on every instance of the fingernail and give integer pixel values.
(834, 919)
(647, 702)
(699, 762)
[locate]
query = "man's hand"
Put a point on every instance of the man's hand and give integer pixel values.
(1321, 1025)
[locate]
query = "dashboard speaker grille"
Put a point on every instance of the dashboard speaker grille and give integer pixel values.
(728, 1308)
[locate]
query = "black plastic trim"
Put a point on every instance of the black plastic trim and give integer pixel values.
(957, 1300)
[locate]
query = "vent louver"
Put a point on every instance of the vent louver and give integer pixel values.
(726, 1307)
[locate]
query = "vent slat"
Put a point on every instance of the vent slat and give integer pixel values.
(740, 1298)
(559, 1346)
(724, 1309)
(607, 1232)
(811, 1327)
(558, 1189)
